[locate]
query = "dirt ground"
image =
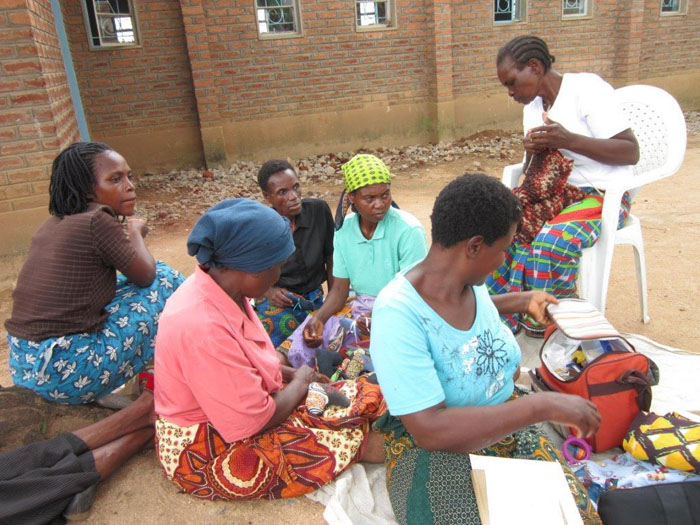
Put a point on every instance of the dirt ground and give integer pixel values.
(140, 493)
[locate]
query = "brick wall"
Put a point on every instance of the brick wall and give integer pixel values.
(240, 77)
(36, 115)
(670, 44)
(134, 90)
(578, 45)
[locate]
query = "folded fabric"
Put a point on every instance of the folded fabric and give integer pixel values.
(670, 440)
(624, 471)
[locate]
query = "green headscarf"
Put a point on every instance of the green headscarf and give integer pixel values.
(363, 170)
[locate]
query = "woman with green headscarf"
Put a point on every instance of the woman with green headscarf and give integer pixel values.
(373, 244)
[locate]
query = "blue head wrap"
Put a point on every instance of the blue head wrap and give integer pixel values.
(241, 234)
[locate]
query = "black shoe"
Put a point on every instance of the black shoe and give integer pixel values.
(79, 507)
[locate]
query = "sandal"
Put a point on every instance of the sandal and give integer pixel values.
(536, 332)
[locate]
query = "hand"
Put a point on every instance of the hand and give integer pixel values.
(572, 411)
(550, 136)
(276, 296)
(138, 227)
(536, 306)
(529, 146)
(313, 332)
(321, 378)
(305, 374)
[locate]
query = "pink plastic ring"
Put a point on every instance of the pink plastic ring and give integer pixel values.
(579, 443)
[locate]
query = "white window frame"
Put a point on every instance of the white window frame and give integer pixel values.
(587, 11)
(106, 44)
(682, 8)
(519, 17)
(390, 16)
(273, 35)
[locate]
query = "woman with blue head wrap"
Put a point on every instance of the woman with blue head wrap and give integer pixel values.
(223, 393)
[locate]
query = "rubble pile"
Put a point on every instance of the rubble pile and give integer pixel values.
(173, 194)
(692, 122)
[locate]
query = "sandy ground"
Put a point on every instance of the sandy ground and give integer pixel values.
(670, 218)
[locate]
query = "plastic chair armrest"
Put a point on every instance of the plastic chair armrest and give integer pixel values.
(511, 174)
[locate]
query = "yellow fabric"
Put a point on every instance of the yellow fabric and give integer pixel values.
(363, 170)
(671, 440)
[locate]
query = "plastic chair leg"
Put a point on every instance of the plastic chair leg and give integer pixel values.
(640, 264)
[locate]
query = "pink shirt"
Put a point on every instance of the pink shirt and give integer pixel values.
(213, 363)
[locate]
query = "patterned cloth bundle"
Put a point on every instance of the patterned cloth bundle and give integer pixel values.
(544, 192)
(670, 440)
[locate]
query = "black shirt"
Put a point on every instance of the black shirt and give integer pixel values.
(313, 238)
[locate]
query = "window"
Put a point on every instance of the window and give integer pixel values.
(278, 18)
(111, 23)
(575, 8)
(673, 7)
(374, 15)
(508, 11)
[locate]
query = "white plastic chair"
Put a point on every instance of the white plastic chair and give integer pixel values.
(659, 125)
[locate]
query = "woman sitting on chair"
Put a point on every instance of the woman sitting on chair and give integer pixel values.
(577, 114)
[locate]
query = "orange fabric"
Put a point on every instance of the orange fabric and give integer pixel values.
(298, 456)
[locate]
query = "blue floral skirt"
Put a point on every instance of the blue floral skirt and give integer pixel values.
(80, 368)
(280, 323)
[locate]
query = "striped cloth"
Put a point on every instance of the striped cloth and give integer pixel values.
(550, 262)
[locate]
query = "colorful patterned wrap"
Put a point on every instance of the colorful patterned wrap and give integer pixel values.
(670, 440)
(550, 262)
(294, 458)
(436, 487)
(280, 323)
(80, 368)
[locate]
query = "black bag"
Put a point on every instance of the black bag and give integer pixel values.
(664, 504)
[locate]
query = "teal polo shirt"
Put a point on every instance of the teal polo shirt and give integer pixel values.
(369, 264)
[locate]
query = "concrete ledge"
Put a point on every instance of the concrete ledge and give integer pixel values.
(17, 228)
(683, 87)
(160, 149)
(302, 135)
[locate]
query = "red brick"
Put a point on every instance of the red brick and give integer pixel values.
(27, 203)
(29, 99)
(23, 66)
(31, 175)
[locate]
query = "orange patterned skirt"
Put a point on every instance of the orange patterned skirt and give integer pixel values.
(296, 457)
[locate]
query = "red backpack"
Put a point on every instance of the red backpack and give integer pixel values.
(583, 354)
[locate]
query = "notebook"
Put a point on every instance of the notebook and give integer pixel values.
(523, 492)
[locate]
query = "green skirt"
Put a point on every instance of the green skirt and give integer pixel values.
(436, 487)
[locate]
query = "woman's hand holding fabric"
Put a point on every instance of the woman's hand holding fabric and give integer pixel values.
(287, 399)
(305, 374)
(550, 136)
(619, 150)
(276, 296)
(313, 332)
(536, 306)
(529, 145)
(572, 411)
